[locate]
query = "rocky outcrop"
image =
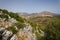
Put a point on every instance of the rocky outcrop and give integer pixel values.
(7, 35)
(23, 34)
(26, 34)
(14, 37)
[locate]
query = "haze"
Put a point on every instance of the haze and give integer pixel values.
(31, 6)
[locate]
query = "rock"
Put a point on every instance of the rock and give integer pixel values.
(2, 30)
(14, 37)
(6, 34)
(26, 34)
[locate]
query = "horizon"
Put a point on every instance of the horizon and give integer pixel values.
(31, 6)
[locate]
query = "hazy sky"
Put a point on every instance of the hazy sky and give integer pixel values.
(31, 6)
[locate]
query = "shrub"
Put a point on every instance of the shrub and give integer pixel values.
(13, 29)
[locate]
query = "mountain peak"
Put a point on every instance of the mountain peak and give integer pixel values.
(46, 12)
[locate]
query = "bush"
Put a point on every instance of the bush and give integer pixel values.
(20, 25)
(13, 29)
(15, 16)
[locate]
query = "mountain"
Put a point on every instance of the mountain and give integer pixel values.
(44, 13)
(35, 26)
(23, 14)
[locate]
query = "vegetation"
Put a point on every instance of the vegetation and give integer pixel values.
(49, 25)
(13, 29)
(52, 31)
(5, 14)
(20, 25)
(15, 16)
(20, 20)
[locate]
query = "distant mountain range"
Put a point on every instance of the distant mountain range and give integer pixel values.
(44, 13)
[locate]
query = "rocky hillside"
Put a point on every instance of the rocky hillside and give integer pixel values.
(14, 27)
(18, 27)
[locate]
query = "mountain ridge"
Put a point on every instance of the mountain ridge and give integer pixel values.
(44, 13)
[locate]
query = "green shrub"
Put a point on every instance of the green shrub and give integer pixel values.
(15, 16)
(13, 29)
(20, 25)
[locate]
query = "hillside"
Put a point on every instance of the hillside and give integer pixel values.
(35, 26)
(49, 23)
(14, 27)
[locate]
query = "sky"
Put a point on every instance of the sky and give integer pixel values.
(31, 6)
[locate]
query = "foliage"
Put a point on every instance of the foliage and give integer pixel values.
(5, 14)
(13, 29)
(52, 31)
(18, 18)
(50, 26)
(20, 25)
(4, 11)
